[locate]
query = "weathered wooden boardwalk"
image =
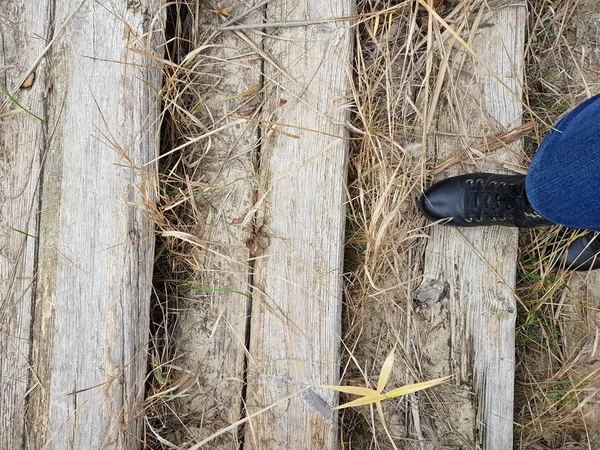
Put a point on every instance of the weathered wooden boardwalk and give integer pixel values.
(76, 253)
(264, 326)
(580, 305)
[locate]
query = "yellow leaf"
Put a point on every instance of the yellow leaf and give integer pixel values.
(367, 400)
(381, 416)
(386, 370)
(415, 387)
(356, 390)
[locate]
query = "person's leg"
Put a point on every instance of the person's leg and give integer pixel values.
(562, 187)
(563, 181)
(562, 184)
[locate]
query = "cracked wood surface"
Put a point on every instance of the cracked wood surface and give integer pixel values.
(75, 288)
(21, 148)
(467, 324)
(297, 293)
(580, 334)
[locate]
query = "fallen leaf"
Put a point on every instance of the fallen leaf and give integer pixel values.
(28, 81)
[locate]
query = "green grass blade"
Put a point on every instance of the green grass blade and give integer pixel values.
(24, 233)
(16, 102)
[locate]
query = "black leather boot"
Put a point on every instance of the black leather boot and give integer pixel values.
(481, 199)
(582, 254)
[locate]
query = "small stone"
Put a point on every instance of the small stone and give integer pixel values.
(430, 292)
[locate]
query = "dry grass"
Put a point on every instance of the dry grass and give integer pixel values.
(177, 218)
(561, 71)
(394, 83)
(386, 176)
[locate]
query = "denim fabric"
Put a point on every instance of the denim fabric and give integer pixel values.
(563, 181)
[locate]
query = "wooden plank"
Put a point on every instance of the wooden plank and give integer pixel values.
(21, 144)
(95, 246)
(211, 330)
(296, 303)
(467, 326)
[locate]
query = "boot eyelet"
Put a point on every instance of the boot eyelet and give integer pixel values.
(503, 219)
(492, 183)
(494, 219)
(479, 181)
(477, 219)
(502, 183)
(469, 181)
(468, 220)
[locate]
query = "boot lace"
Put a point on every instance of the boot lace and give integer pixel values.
(497, 201)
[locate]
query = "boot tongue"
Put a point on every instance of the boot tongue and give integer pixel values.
(524, 212)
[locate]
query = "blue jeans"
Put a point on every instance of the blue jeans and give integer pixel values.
(563, 181)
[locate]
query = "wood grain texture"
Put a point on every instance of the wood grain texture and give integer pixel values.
(211, 330)
(467, 325)
(296, 304)
(95, 254)
(22, 26)
(579, 312)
